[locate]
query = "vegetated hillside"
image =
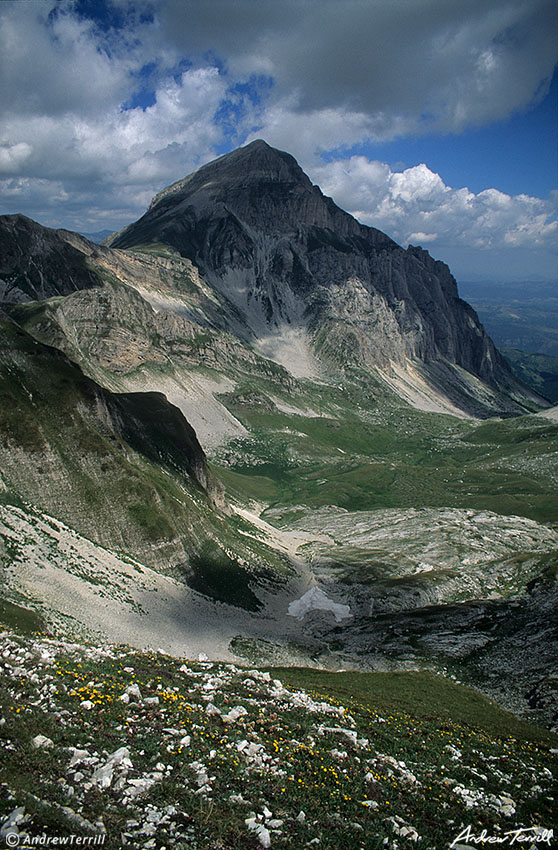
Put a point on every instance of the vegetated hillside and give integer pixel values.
(365, 452)
(125, 470)
(151, 751)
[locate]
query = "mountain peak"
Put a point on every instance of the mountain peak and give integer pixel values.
(257, 145)
(256, 162)
(255, 186)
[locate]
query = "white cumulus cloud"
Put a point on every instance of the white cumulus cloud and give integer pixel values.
(415, 206)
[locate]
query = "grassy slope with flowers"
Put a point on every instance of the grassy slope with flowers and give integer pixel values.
(163, 753)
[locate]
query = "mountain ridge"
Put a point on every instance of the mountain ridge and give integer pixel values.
(297, 279)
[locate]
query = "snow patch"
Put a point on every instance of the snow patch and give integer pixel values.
(316, 600)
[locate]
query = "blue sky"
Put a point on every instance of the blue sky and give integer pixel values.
(434, 120)
(517, 155)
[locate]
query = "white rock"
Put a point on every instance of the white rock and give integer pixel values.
(120, 756)
(454, 752)
(348, 733)
(133, 691)
(41, 741)
(212, 683)
(151, 701)
(86, 704)
(149, 829)
(137, 787)
(103, 776)
(78, 756)
(507, 800)
(409, 832)
(262, 833)
(340, 754)
(10, 825)
(234, 714)
(507, 811)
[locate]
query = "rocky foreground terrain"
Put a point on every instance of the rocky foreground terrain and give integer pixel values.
(150, 751)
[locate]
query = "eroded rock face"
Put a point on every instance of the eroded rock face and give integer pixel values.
(286, 255)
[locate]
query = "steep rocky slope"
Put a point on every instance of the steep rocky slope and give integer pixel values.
(37, 262)
(125, 469)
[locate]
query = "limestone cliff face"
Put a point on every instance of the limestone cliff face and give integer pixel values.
(286, 256)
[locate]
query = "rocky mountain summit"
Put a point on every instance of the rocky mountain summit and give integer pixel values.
(248, 246)
(295, 267)
(38, 263)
